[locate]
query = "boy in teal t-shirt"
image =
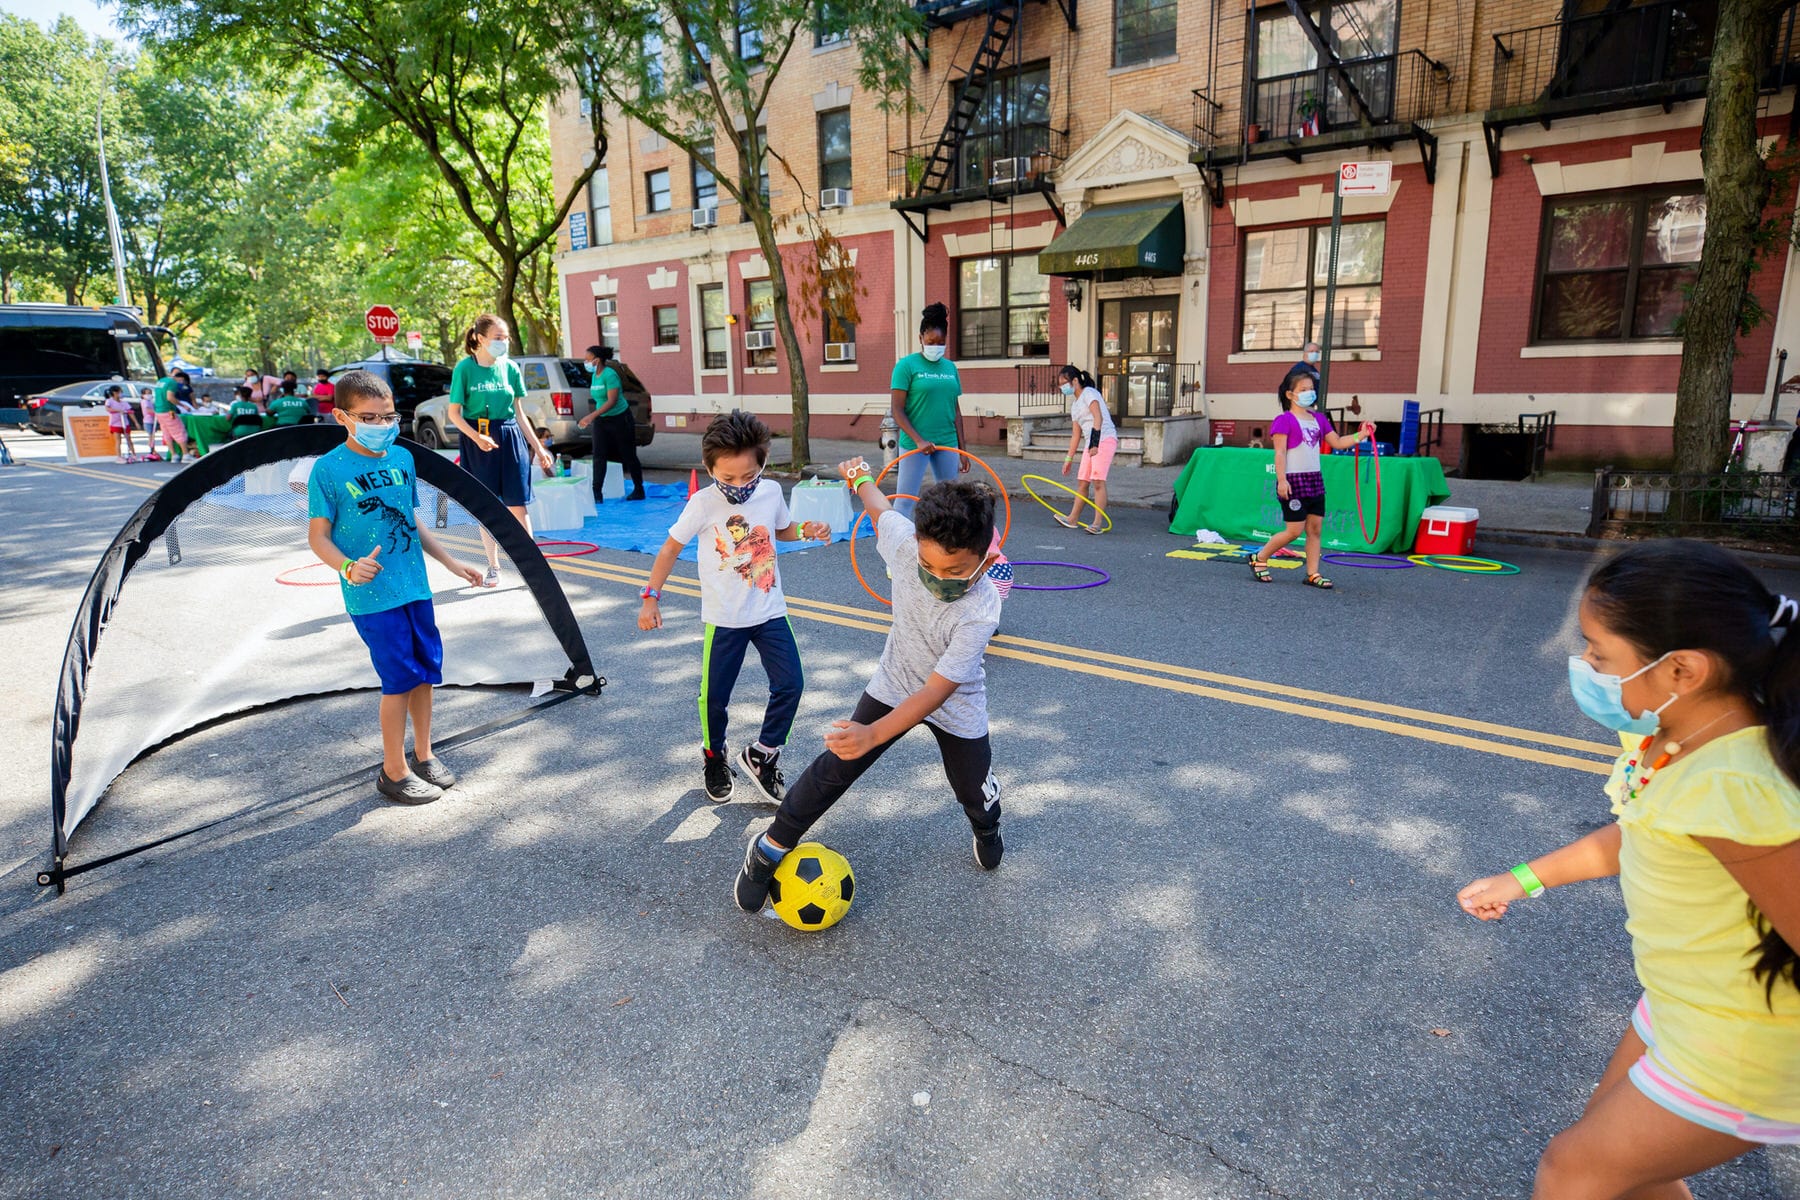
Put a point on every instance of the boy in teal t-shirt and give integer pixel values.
(360, 498)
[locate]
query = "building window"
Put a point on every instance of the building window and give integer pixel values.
(609, 333)
(1011, 121)
(714, 333)
(762, 174)
(656, 186)
(759, 311)
(1293, 94)
(668, 325)
(1284, 297)
(834, 148)
(829, 25)
(653, 61)
(837, 297)
(699, 60)
(1004, 308)
(1615, 267)
(749, 37)
(1142, 30)
(706, 187)
(600, 202)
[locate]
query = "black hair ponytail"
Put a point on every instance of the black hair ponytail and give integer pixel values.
(936, 316)
(1080, 377)
(1686, 595)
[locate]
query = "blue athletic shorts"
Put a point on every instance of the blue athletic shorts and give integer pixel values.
(404, 646)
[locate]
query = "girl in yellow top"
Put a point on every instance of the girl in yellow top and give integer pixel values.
(498, 447)
(1695, 664)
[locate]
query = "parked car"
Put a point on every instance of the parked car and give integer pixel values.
(413, 380)
(557, 395)
(44, 410)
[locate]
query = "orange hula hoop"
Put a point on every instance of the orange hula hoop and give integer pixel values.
(853, 566)
(999, 484)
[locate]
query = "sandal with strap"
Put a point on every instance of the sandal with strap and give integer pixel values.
(1259, 570)
(1318, 581)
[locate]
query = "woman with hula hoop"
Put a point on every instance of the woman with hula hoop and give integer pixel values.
(926, 397)
(1297, 434)
(1091, 435)
(497, 447)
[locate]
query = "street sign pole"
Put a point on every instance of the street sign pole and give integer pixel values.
(1331, 272)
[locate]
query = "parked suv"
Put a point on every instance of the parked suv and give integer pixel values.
(412, 380)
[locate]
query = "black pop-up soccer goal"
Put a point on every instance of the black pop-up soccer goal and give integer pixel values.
(220, 554)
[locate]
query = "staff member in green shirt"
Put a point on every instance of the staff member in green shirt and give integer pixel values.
(615, 433)
(497, 447)
(243, 414)
(927, 394)
(289, 407)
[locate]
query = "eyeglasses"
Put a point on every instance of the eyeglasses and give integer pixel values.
(387, 418)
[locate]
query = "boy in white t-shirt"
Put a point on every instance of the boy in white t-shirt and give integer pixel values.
(738, 521)
(931, 673)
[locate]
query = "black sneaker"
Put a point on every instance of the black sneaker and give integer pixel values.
(409, 789)
(435, 772)
(988, 848)
(640, 494)
(751, 891)
(718, 777)
(763, 773)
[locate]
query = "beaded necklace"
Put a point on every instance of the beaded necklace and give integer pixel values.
(1670, 750)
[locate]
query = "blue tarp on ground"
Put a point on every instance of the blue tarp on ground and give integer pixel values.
(643, 525)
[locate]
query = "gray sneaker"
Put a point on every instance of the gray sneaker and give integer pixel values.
(492, 578)
(434, 771)
(407, 790)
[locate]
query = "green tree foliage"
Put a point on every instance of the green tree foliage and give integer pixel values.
(700, 73)
(468, 86)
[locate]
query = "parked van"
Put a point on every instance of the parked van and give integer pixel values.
(47, 346)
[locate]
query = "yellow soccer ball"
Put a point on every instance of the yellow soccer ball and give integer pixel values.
(813, 887)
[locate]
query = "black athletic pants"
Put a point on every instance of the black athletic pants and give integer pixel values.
(966, 764)
(615, 440)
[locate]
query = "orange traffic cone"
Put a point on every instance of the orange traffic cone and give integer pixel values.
(693, 483)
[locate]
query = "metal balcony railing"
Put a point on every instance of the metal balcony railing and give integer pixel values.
(1296, 113)
(988, 163)
(1638, 55)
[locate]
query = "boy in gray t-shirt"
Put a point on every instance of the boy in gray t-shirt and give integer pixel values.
(945, 610)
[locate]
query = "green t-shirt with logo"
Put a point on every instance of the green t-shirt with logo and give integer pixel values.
(486, 391)
(932, 390)
(290, 410)
(603, 384)
(165, 394)
(244, 412)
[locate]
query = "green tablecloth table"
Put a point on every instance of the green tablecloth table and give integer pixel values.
(1232, 492)
(207, 431)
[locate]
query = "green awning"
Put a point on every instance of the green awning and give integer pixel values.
(1117, 241)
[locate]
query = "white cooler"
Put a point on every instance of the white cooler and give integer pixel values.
(823, 500)
(562, 503)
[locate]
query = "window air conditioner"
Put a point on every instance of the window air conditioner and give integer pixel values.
(840, 352)
(759, 339)
(834, 198)
(705, 218)
(1010, 170)
(606, 308)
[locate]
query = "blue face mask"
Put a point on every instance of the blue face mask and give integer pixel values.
(1602, 698)
(1068, 389)
(375, 438)
(737, 493)
(932, 353)
(1306, 399)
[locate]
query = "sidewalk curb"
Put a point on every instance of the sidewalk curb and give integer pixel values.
(1585, 544)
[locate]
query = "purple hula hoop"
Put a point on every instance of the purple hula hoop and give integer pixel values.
(1372, 562)
(1061, 587)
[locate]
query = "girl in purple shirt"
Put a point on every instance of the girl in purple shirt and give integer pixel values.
(1299, 482)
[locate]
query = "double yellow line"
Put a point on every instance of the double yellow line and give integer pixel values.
(1487, 737)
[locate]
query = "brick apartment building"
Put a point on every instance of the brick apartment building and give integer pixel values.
(1145, 190)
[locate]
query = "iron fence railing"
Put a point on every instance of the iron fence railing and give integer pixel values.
(1158, 390)
(996, 162)
(1654, 49)
(1750, 508)
(1396, 89)
(1039, 392)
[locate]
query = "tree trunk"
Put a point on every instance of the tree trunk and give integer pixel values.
(800, 441)
(1737, 189)
(506, 301)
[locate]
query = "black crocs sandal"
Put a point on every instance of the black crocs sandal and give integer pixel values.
(434, 771)
(1259, 570)
(1319, 581)
(408, 790)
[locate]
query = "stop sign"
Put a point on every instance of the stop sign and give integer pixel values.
(383, 323)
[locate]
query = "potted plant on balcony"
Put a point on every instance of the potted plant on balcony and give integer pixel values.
(1309, 110)
(915, 171)
(1252, 133)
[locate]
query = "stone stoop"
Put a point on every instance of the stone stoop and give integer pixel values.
(1051, 446)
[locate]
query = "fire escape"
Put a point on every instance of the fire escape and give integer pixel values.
(944, 171)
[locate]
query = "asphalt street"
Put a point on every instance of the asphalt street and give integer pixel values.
(1222, 957)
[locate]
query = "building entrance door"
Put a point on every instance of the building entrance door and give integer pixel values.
(1136, 359)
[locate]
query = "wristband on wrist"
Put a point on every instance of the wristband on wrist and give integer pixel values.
(650, 593)
(856, 484)
(345, 571)
(1534, 887)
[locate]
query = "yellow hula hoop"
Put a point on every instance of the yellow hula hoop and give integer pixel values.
(1461, 562)
(1025, 481)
